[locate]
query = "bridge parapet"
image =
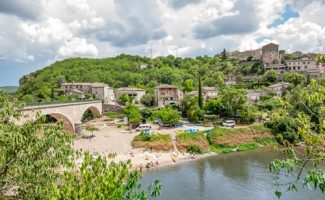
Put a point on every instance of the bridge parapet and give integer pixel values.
(70, 112)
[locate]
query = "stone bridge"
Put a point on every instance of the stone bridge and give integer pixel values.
(70, 113)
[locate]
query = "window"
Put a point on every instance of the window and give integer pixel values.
(294, 67)
(289, 68)
(305, 67)
(298, 67)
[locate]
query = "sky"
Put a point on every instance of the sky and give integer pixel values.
(36, 33)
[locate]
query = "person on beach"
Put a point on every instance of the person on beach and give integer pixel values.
(140, 168)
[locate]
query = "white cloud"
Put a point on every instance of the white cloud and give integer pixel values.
(78, 47)
(58, 29)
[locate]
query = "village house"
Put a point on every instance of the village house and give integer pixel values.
(279, 88)
(254, 96)
(167, 94)
(210, 92)
(100, 91)
(207, 93)
(135, 93)
(307, 66)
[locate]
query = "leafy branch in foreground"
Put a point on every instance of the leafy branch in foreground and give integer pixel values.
(99, 180)
(37, 161)
(302, 166)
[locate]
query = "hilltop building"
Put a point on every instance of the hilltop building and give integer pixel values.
(244, 55)
(270, 54)
(100, 91)
(167, 94)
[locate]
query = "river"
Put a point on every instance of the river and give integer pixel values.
(242, 176)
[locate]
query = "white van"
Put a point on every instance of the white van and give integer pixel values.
(143, 127)
(229, 123)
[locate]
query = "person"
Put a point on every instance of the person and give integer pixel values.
(140, 168)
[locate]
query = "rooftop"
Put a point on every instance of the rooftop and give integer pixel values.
(166, 86)
(279, 84)
(209, 88)
(129, 89)
(85, 84)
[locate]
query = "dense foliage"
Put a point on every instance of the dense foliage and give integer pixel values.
(168, 116)
(301, 119)
(37, 161)
(124, 71)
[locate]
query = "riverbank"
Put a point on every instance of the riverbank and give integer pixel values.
(111, 139)
(117, 140)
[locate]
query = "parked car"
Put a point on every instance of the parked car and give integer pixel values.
(157, 121)
(229, 123)
(143, 127)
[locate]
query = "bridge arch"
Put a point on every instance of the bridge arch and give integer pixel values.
(93, 110)
(67, 123)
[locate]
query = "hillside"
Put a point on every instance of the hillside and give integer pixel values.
(124, 70)
(9, 89)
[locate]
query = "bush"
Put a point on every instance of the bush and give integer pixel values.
(194, 149)
(148, 99)
(168, 116)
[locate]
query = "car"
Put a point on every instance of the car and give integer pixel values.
(229, 123)
(157, 121)
(143, 127)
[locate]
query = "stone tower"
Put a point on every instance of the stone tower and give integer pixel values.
(270, 54)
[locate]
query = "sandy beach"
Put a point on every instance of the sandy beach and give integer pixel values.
(111, 139)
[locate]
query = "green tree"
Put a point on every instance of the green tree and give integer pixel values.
(200, 99)
(301, 117)
(294, 78)
(224, 55)
(91, 128)
(124, 99)
(195, 113)
(188, 85)
(214, 106)
(270, 76)
(168, 116)
(232, 100)
(148, 99)
(96, 179)
(30, 154)
(133, 113)
(248, 114)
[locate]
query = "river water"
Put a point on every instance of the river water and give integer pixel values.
(242, 176)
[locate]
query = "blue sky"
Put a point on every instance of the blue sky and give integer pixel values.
(40, 32)
(285, 16)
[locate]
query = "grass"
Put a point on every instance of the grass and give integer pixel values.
(152, 138)
(193, 143)
(225, 140)
(153, 142)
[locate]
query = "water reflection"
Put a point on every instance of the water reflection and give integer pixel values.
(232, 176)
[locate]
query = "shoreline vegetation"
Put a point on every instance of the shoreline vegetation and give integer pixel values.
(192, 146)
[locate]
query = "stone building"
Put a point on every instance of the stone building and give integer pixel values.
(255, 54)
(207, 93)
(100, 91)
(307, 66)
(253, 96)
(210, 92)
(270, 54)
(167, 94)
(136, 93)
(279, 88)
